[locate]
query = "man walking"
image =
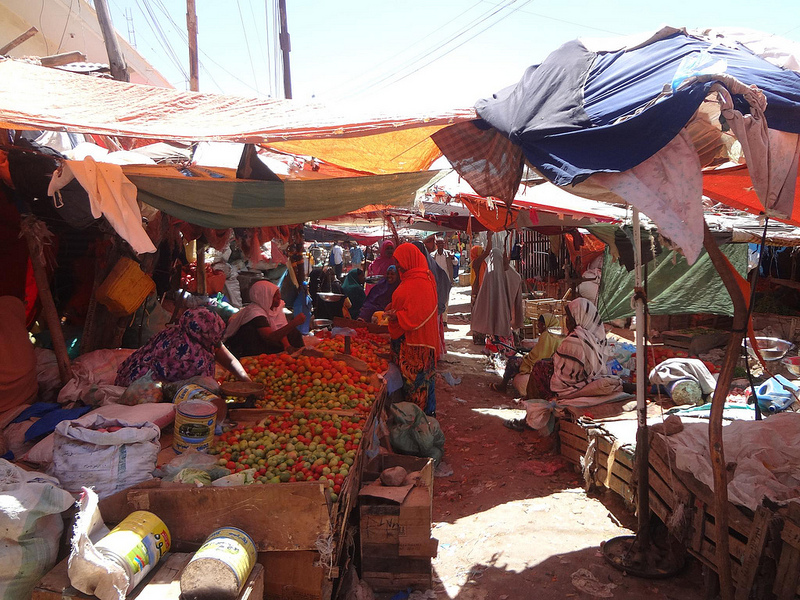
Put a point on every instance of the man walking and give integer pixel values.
(356, 256)
(337, 259)
(445, 259)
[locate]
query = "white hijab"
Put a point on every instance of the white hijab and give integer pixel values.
(589, 328)
(261, 295)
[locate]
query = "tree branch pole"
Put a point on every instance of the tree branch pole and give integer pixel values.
(642, 440)
(46, 297)
(20, 39)
(716, 449)
(286, 47)
(119, 69)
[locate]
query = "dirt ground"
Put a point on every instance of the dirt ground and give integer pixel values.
(508, 526)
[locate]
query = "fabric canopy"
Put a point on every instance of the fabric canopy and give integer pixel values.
(636, 122)
(219, 203)
(733, 187)
(673, 286)
(33, 97)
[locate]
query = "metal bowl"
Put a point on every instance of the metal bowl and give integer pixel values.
(770, 348)
(372, 279)
(321, 323)
(330, 296)
(793, 364)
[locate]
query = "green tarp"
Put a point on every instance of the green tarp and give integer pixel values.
(223, 203)
(673, 287)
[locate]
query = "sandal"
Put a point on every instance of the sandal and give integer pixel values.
(516, 424)
(495, 387)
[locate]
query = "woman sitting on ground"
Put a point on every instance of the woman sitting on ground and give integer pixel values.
(261, 327)
(545, 347)
(578, 368)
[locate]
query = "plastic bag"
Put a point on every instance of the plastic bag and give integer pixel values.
(204, 381)
(31, 523)
(144, 390)
(411, 431)
(696, 64)
(181, 467)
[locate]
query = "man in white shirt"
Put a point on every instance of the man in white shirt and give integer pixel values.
(445, 259)
(337, 259)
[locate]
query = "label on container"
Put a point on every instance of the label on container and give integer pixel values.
(138, 543)
(194, 426)
(233, 547)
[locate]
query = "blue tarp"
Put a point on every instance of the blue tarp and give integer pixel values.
(583, 112)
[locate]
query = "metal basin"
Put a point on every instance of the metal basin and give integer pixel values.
(793, 364)
(330, 296)
(771, 348)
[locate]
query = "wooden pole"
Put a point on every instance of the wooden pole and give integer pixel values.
(46, 297)
(119, 70)
(202, 288)
(286, 47)
(194, 61)
(18, 40)
(56, 60)
(716, 448)
(642, 441)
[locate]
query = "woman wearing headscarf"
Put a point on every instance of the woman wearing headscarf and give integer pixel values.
(188, 349)
(380, 295)
(477, 270)
(544, 349)
(18, 383)
(261, 327)
(414, 327)
(578, 367)
(385, 259)
(491, 314)
(353, 286)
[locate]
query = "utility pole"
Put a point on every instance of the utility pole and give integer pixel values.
(286, 47)
(194, 61)
(119, 70)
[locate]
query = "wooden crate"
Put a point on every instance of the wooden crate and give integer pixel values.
(748, 534)
(163, 583)
(396, 543)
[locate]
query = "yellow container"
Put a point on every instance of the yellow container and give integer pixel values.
(125, 288)
(136, 544)
(220, 568)
(194, 426)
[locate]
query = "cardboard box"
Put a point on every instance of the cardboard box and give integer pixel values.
(396, 543)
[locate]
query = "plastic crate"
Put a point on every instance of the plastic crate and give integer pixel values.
(125, 288)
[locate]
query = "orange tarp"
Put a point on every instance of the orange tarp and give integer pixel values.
(734, 188)
(33, 97)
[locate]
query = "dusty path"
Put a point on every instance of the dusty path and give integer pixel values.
(506, 528)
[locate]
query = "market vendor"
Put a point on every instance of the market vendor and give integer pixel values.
(188, 349)
(380, 295)
(262, 327)
(414, 327)
(578, 368)
(544, 349)
(18, 383)
(353, 287)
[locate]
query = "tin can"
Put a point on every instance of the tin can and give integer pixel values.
(191, 391)
(194, 425)
(136, 544)
(220, 567)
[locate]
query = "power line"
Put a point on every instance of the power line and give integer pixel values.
(247, 45)
(551, 18)
(267, 47)
(393, 78)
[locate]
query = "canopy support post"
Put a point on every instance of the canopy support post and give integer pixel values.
(642, 440)
(36, 253)
(716, 449)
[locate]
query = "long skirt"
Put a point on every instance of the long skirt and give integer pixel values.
(539, 383)
(418, 366)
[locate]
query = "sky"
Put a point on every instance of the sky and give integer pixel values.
(410, 55)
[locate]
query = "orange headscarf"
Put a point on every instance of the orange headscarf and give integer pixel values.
(474, 254)
(414, 300)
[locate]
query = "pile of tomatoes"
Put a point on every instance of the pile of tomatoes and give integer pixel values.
(365, 346)
(299, 446)
(309, 382)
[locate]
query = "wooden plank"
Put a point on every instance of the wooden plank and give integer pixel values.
(289, 516)
(162, 584)
(572, 455)
(572, 440)
(698, 525)
(662, 490)
(621, 456)
(786, 579)
(737, 547)
(753, 552)
(295, 576)
(573, 429)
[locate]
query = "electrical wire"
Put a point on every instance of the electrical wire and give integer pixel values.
(155, 27)
(66, 24)
(427, 52)
(567, 22)
(434, 59)
(247, 45)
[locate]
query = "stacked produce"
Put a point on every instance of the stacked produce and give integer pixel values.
(365, 346)
(309, 382)
(299, 446)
